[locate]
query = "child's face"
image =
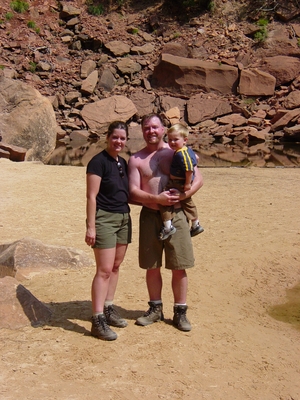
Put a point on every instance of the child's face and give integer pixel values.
(176, 141)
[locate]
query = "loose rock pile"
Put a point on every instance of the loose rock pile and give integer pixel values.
(240, 98)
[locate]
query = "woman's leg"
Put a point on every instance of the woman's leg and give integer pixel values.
(104, 264)
(106, 278)
(119, 257)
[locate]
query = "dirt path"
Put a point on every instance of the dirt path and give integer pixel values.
(246, 259)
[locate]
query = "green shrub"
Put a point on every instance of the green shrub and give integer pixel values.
(262, 22)
(9, 16)
(19, 6)
(176, 35)
(32, 66)
(95, 9)
(31, 24)
(262, 34)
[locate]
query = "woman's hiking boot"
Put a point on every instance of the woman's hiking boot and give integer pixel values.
(180, 320)
(154, 314)
(101, 330)
(113, 318)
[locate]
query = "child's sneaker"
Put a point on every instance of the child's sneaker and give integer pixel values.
(195, 231)
(164, 234)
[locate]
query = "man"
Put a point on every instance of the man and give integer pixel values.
(148, 174)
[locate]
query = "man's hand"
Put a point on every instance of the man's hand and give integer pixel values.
(169, 197)
(187, 186)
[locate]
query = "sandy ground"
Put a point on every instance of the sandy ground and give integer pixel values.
(247, 260)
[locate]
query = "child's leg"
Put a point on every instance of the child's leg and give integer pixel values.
(195, 222)
(191, 213)
(168, 224)
(167, 229)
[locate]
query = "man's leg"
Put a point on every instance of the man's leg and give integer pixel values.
(154, 285)
(179, 286)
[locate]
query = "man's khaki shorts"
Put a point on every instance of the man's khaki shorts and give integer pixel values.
(178, 247)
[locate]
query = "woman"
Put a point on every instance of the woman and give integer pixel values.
(108, 227)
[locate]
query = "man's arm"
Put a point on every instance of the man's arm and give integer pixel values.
(197, 184)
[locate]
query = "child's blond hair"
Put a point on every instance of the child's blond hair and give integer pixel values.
(180, 128)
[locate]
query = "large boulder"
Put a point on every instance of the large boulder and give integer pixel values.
(202, 107)
(27, 257)
(285, 69)
(254, 82)
(188, 75)
(27, 119)
(143, 100)
(100, 114)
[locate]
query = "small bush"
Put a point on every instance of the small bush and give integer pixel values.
(32, 66)
(95, 9)
(262, 22)
(19, 6)
(262, 34)
(9, 16)
(31, 24)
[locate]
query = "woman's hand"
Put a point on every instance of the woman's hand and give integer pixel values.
(90, 237)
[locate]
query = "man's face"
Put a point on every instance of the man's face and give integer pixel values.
(153, 130)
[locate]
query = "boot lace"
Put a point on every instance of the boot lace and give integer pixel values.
(149, 311)
(101, 323)
(111, 312)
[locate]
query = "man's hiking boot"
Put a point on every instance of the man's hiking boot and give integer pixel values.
(154, 314)
(101, 330)
(164, 233)
(180, 320)
(113, 318)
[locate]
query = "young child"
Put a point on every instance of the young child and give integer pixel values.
(181, 178)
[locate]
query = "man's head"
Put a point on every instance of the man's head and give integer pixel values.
(153, 129)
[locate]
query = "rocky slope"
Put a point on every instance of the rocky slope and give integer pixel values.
(47, 46)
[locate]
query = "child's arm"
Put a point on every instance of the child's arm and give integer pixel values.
(188, 180)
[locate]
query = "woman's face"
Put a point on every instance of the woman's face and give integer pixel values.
(116, 141)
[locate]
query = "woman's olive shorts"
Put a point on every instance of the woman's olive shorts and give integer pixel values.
(178, 247)
(112, 228)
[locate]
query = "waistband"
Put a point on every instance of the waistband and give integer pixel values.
(151, 210)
